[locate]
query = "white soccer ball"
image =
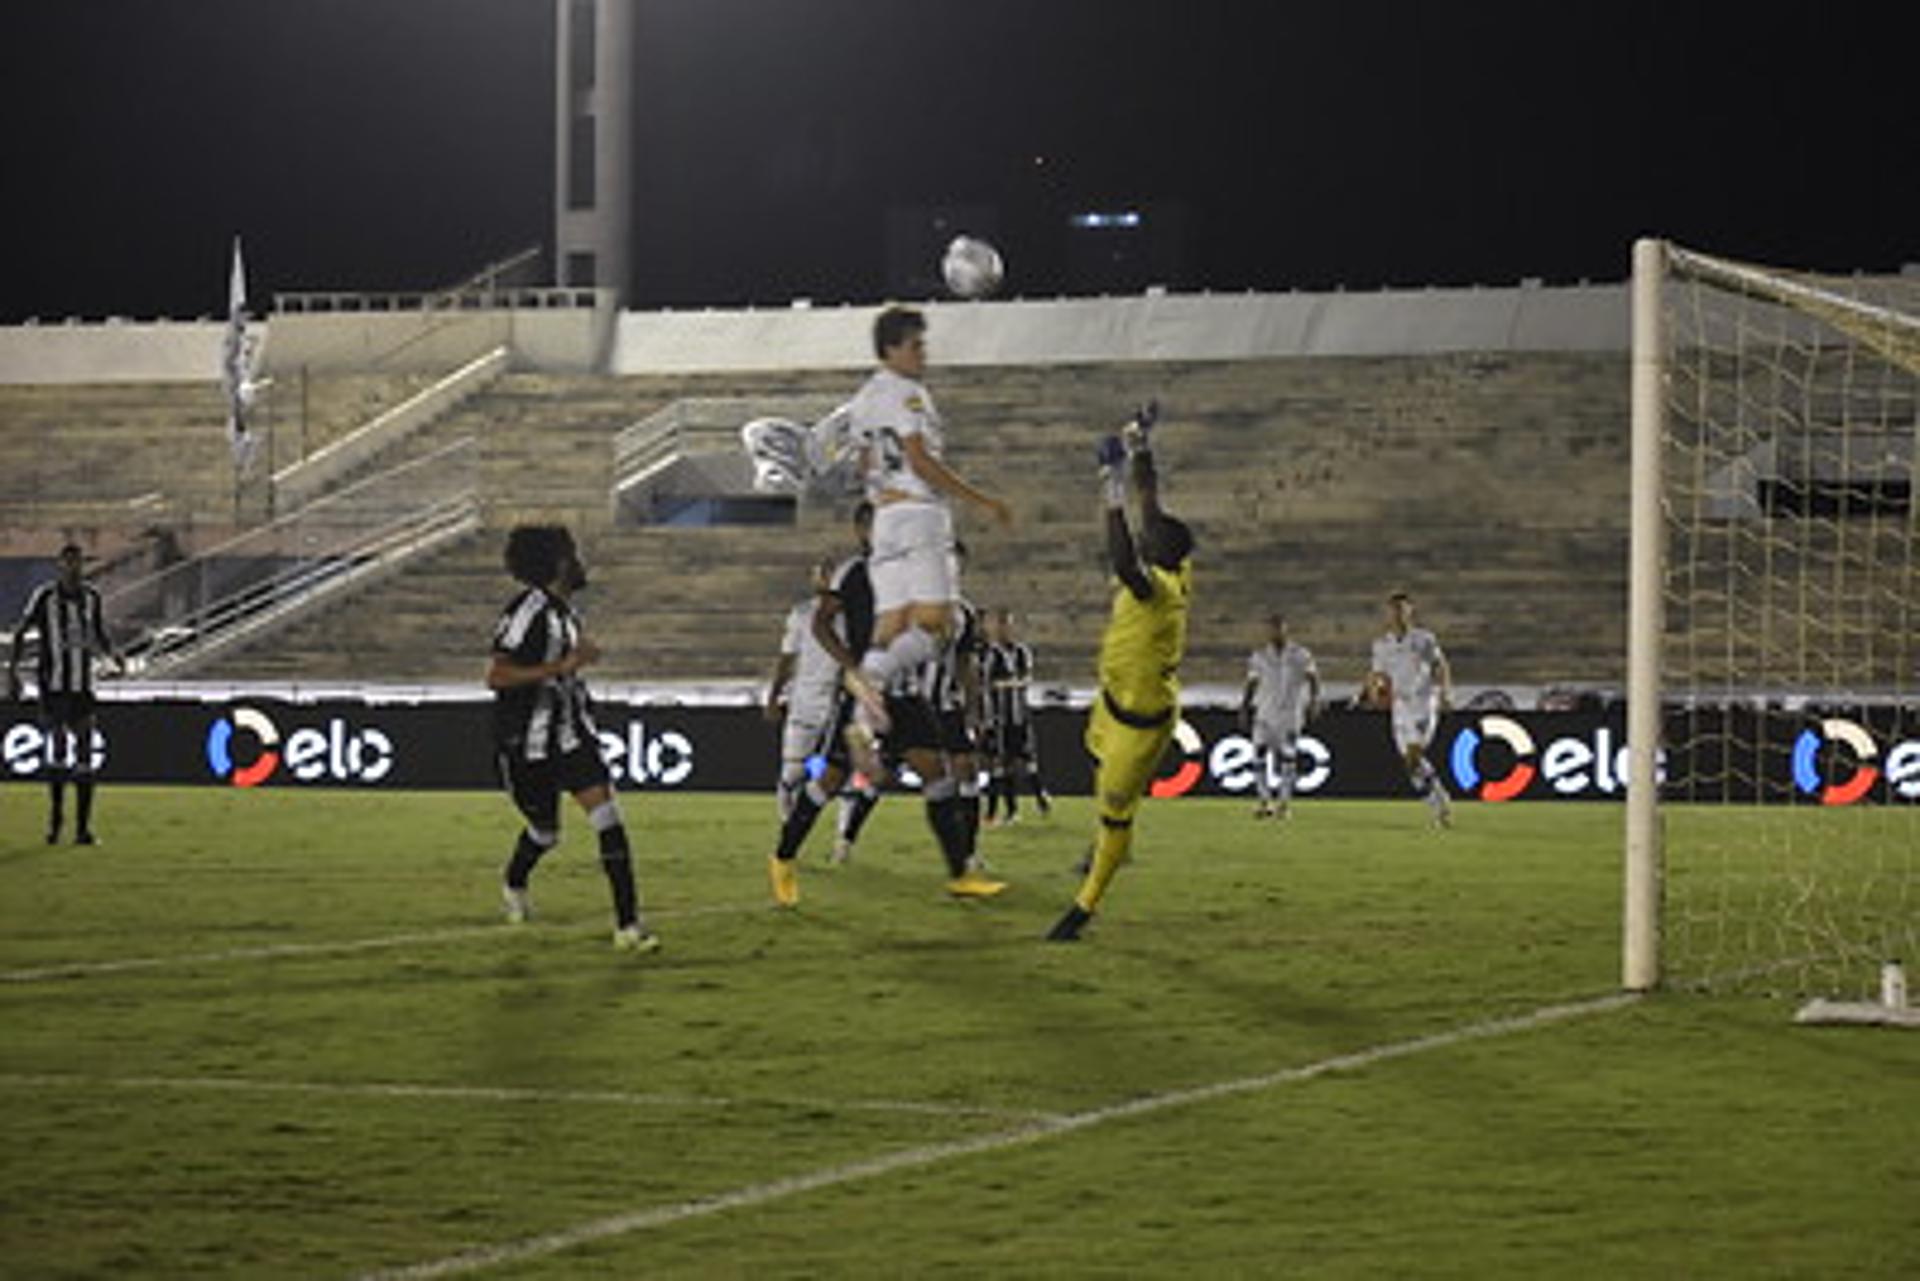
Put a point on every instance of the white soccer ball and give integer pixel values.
(972, 267)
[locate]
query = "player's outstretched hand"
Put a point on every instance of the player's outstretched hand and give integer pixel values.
(1001, 511)
(1137, 434)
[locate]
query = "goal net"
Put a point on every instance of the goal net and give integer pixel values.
(1775, 626)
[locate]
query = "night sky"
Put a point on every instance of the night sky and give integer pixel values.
(393, 144)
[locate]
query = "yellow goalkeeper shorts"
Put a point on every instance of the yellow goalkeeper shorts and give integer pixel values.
(1128, 751)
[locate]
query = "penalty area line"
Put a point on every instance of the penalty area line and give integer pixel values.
(756, 1194)
(274, 951)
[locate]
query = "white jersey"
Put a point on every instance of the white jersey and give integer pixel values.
(1411, 662)
(815, 673)
(1280, 682)
(884, 413)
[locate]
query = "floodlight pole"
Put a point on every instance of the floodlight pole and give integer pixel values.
(1640, 915)
(593, 163)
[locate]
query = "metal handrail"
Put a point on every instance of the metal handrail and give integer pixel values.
(242, 574)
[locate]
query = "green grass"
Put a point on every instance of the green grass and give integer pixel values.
(160, 1121)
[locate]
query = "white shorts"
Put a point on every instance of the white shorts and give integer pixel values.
(913, 561)
(1413, 724)
(805, 733)
(1282, 737)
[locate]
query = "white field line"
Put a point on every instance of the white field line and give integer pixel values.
(756, 1194)
(504, 1094)
(274, 951)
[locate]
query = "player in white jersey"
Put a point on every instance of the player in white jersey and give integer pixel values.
(803, 694)
(915, 576)
(1282, 695)
(1409, 673)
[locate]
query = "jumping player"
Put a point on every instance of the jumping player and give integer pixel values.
(915, 576)
(1138, 705)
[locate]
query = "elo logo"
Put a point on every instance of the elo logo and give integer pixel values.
(339, 753)
(1806, 761)
(1181, 781)
(1519, 775)
(27, 749)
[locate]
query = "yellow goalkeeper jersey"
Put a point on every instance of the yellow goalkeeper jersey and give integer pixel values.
(1145, 641)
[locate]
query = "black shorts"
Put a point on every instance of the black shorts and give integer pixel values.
(1012, 744)
(956, 736)
(536, 785)
(66, 710)
(914, 726)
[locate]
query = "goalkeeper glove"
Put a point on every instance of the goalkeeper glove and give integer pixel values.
(1140, 427)
(1112, 457)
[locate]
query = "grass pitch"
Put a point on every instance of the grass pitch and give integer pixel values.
(279, 1034)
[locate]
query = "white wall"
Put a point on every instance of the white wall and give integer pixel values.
(115, 351)
(1164, 327)
(1055, 331)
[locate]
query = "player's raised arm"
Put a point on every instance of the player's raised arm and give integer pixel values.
(1137, 436)
(1123, 557)
(948, 481)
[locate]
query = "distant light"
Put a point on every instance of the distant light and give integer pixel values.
(1122, 218)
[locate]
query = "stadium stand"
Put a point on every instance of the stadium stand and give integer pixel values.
(1492, 486)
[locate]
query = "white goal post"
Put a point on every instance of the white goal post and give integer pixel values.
(1773, 690)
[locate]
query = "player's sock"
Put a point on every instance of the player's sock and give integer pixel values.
(793, 776)
(1040, 796)
(616, 860)
(1013, 797)
(56, 801)
(948, 824)
(1426, 781)
(1289, 772)
(969, 798)
(1116, 837)
(527, 851)
(995, 782)
(806, 808)
(1263, 779)
(83, 806)
(855, 806)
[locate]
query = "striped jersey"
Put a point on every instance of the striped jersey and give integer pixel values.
(546, 719)
(72, 629)
(1006, 671)
(853, 588)
(939, 679)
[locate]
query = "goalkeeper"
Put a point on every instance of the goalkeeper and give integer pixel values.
(1138, 706)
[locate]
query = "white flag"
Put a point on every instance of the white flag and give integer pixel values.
(239, 356)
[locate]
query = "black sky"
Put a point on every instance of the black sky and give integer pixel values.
(400, 143)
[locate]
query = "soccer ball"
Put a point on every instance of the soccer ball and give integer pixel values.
(971, 267)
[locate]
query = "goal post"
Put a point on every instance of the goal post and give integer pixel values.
(1640, 944)
(1772, 833)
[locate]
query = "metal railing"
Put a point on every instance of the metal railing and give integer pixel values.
(187, 613)
(700, 424)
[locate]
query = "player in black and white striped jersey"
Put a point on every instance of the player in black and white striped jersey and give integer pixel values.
(69, 621)
(544, 735)
(1006, 673)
